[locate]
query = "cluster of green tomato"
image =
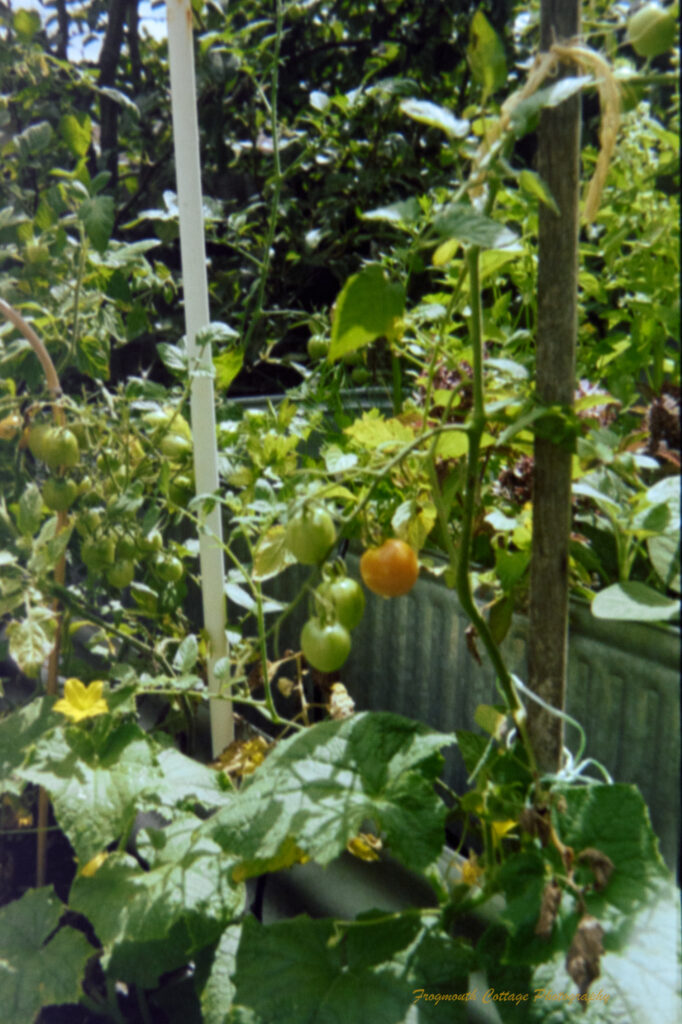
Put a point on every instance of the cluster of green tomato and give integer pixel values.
(111, 549)
(389, 570)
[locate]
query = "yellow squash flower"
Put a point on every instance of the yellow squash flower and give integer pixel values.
(80, 701)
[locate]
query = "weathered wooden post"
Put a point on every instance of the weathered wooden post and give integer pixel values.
(558, 165)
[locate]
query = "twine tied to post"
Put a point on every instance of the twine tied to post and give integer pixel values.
(546, 66)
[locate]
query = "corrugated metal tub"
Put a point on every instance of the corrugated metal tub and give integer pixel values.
(410, 656)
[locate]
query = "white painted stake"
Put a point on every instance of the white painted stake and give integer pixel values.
(195, 288)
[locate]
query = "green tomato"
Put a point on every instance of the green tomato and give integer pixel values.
(36, 439)
(181, 489)
(88, 522)
(360, 375)
(346, 598)
(169, 420)
(318, 347)
(651, 30)
(152, 543)
(121, 574)
(59, 494)
(98, 555)
(126, 547)
(310, 535)
(325, 647)
(175, 446)
(60, 448)
(169, 568)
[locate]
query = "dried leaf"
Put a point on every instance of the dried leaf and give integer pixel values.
(582, 959)
(535, 821)
(341, 704)
(600, 865)
(255, 677)
(241, 757)
(470, 635)
(471, 871)
(365, 846)
(285, 686)
(549, 908)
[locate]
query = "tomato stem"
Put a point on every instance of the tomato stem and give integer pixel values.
(460, 559)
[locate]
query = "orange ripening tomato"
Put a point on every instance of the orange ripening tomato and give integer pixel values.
(390, 570)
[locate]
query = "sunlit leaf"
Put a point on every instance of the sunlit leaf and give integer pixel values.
(369, 307)
(465, 224)
(76, 130)
(97, 215)
(486, 55)
(634, 602)
(39, 965)
(436, 117)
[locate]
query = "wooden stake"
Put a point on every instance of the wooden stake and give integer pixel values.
(558, 165)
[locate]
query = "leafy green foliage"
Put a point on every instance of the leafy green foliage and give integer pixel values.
(152, 921)
(371, 767)
(337, 146)
(324, 971)
(42, 964)
(96, 794)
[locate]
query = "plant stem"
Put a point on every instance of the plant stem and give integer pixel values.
(461, 565)
(255, 316)
(269, 703)
(77, 294)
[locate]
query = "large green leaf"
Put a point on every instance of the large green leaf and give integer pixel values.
(92, 356)
(96, 796)
(467, 225)
(315, 790)
(639, 982)
(34, 972)
(634, 602)
(150, 921)
(30, 510)
(97, 215)
(375, 970)
(26, 24)
(613, 819)
(217, 994)
(664, 550)
(19, 731)
(368, 307)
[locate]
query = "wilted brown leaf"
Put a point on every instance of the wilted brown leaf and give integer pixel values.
(535, 821)
(582, 959)
(551, 898)
(600, 864)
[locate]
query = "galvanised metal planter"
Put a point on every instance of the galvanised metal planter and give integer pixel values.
(410, 656)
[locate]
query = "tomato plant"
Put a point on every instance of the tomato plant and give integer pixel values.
(390, 570)
(310, 535)
(326, 645)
